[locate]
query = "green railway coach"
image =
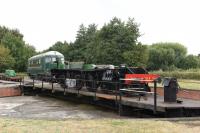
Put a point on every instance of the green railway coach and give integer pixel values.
(43, 63)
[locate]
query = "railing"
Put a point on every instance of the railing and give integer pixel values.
(142, 92)
(116, 88)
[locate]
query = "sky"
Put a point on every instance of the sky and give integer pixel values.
(44, 22)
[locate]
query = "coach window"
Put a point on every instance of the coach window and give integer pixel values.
(53, 59)
(34, 63)
(62, 60)
(39, 61)
(31, 63)
(48, 59)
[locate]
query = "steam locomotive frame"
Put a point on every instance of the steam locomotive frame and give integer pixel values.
(50, 66)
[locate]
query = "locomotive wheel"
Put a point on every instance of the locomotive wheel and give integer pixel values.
(108, 87)
(61, 81)
(89, 83)
(79, 83)
(104, 87)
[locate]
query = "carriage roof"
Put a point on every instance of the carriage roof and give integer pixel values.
(50, 53)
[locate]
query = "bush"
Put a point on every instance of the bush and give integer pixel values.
(180, 74)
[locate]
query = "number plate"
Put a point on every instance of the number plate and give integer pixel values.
(71, 83)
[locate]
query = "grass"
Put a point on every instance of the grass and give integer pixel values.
(185, 84)
(10, 125)
(187, 79)
(189, 84)
(180, 74)
(22, 74)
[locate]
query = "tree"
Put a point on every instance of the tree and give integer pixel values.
(4, 30)
(79, 46)
(190, 61)
(137, 57)
(83, 49)
(161, 58)
(30, 50)
(116, 38)
(61, 47)
(6, 60)
(114, 43)
(19, 50)
(165, 55)
(90, 50)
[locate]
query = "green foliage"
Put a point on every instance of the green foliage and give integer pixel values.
(166, 56)
(16, 46)
(19, 51)
(62, 47)
(189, 62)
(180, 74)
(4, 30)
(84, 46)
(114, 44)
(136, 57)
(6, 60)
(116, 38)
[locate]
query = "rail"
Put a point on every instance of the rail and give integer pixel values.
(141, 92)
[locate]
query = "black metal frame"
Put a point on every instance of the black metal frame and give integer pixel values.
(117, 92)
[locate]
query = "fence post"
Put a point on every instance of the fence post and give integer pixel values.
(120, 103)
(65, 85)
(116, 93)
(33, 83)
(42, 83)
(22, 87)
(52, 90)
(77, 88)
(20, 83)
(94, 87)
(23, 80)
(155, 97)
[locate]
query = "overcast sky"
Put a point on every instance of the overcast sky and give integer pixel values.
(43, 22)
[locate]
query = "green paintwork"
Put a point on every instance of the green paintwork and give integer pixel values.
(43, 63)
(10, 73)
(80, 65)
(88, 66)
(75, 65)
